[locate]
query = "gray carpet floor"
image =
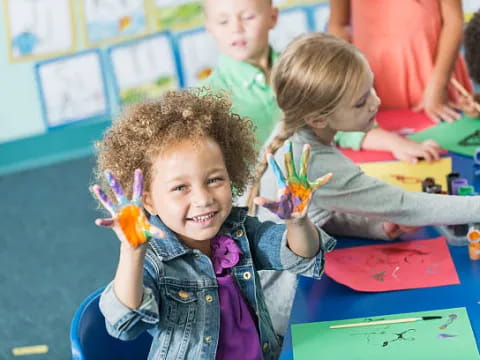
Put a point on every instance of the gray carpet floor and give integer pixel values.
(51, 255)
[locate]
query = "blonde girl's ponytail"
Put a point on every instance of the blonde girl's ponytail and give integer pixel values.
(271, 148)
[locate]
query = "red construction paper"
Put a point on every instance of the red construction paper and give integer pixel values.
(394, 266)
(401, 121)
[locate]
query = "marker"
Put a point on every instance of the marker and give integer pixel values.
(385, 322)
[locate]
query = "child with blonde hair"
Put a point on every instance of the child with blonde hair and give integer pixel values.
(187, 270)
(324, 84)
(240, 29)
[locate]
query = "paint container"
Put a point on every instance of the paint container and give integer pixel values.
(434, 189)
(455, 234)
(456, 183)
(450, 177)
(474, 243)
(466, 190)
(427, 183)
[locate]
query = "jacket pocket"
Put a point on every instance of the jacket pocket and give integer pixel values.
(180, 305)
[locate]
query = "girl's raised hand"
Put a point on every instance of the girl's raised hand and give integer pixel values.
(128, 220)
(296, 191)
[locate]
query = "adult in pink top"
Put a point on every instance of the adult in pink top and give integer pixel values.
(412, 47)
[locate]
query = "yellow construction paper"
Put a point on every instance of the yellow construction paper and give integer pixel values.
(409, 176)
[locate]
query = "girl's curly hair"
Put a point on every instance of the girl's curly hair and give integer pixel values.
(144, 130)
(472, 47)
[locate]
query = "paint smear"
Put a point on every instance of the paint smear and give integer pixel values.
(451, 319)
(445, 336)
(379, 276)
(394, 273)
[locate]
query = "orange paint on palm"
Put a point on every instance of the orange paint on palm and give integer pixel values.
(301, 192)
(133, 224)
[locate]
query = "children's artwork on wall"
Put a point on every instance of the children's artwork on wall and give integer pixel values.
(72, 88)
(198, 56)
(321, 14)
(394, 266)
(281, 4)
(38, 28)
(176, 14)
(453, 136)
(107, 21)
(291, 23)
(144, 68)
(446, 338)
(307, 2)
(409, 176)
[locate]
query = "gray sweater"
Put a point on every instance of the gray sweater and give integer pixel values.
(355, 204)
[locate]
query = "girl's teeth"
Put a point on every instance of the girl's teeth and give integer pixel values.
(203, 218)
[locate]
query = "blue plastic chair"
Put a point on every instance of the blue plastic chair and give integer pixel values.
(90, 341)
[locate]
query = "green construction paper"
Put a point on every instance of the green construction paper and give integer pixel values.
(449, 134)
(420, 338)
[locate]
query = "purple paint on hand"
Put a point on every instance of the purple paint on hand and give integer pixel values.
(103, 197)
(137, 185)
(114, 184)
(283, 208)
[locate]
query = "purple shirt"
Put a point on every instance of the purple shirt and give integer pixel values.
(238, 338)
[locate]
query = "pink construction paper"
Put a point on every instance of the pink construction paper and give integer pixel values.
(394, 266)
(401, 121)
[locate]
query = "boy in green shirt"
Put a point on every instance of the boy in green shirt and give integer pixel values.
(240, 29)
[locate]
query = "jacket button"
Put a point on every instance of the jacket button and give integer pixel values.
(265, 347)
(196, 255)
(247, 275)
(209, 298)
(208, 339)
(183, 294)
(239, 233)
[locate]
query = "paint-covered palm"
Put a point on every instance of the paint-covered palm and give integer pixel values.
(128, 219)
(295, 190)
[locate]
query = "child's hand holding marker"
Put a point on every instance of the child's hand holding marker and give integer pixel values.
(128, 220)
(295, 191)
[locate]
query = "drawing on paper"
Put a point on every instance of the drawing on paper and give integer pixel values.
(72, 88)
(39, 28)
(109, 20)
(144, 69)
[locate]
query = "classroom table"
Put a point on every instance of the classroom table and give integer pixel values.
(325, 300)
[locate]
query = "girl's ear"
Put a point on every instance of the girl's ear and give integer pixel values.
(148, 203)
(274, 17)
(315, 122)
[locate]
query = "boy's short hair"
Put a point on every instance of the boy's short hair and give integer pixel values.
(472, 47)
(144, 130)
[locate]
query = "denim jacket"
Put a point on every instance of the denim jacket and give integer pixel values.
(180, 305)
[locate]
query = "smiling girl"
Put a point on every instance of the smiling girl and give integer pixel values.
(188, 264)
